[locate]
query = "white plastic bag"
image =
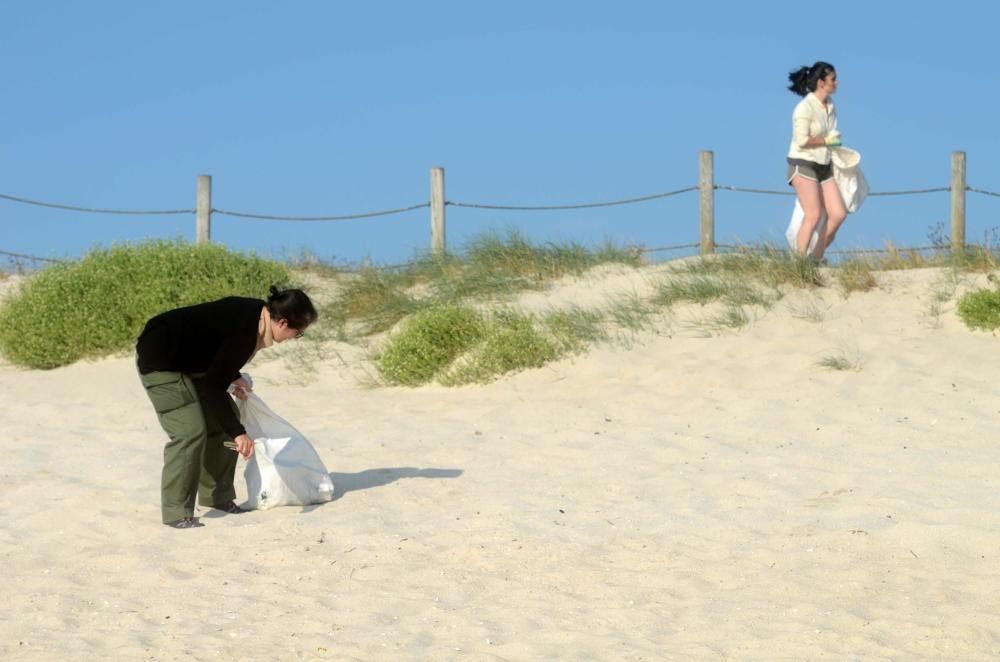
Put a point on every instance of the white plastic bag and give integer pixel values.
(285, 469)
(850, 180)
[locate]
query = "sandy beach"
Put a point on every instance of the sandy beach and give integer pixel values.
(683, 496)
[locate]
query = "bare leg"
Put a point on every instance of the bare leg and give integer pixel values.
(835, 215)
(808, 193)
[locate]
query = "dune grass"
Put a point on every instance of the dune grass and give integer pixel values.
(375, 298)
(574, 329)
(855, 275)
(703, 289)
(98, 305)
(740, 284)
(763, 264)
(812, 309)
(491, 267)
(448, 318)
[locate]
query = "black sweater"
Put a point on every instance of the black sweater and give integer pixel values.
(215, 338)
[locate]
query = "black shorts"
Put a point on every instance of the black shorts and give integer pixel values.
(816, 172)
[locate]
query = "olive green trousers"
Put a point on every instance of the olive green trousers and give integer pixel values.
(195, 463)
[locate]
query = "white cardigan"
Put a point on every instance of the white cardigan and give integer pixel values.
(812, 119)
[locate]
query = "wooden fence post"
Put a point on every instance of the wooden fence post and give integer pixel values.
(203, 222)
(957, 203)
(706, 190)
(438, 245)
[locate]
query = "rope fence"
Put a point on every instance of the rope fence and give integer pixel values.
(371, 214)
(93, 210)
(33, 258)
(919, 191)
(587, 205)
(438, 202)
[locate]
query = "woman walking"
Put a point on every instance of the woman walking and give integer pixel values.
(187, 360)
(810, 171)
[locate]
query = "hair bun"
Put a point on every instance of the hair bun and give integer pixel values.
(274, 292)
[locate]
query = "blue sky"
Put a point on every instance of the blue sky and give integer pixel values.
(327, 108)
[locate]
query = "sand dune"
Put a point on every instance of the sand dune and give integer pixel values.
(687, 498)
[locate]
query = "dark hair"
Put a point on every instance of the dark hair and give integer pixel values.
(804, 79)
(292, 306)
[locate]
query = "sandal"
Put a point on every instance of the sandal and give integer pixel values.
(230, 508)
(185, 523)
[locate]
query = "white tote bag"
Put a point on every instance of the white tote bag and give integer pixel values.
(285, 469)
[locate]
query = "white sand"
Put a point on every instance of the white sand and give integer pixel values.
(691, 498)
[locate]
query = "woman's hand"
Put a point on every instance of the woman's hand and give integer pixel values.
(241, 388)
(244, 446)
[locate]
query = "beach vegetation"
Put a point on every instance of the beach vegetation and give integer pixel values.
(980, 309)
(98, 305)
(490, 267)
(510, 342)
(855, 275)
(842, 359)
(455, 345)
(834, 362)
(574, 329)
(376, 299)
(428, 342)
(764, 264)
(632, 313)
(811, 309)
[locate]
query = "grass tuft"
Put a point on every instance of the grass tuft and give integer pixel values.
(855, 275)
(980, 309)
(841, 360)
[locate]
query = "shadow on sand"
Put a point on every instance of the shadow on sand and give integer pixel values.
(344, 483)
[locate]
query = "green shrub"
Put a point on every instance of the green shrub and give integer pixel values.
(428, 342)
(98, 305)
(980, 309)
(509, 343)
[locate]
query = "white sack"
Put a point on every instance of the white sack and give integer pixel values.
(850, 180)
(285, 469)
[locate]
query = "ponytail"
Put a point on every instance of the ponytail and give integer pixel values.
(799, 81)
(803, 80)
